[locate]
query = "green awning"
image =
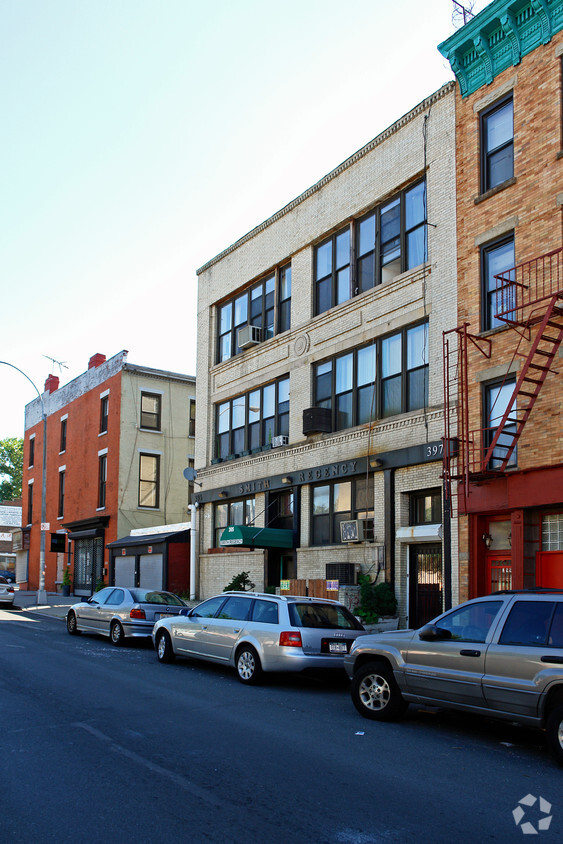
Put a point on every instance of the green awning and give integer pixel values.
(253, 537)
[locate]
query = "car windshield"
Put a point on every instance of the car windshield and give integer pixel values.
(326, 616)
(144, 596)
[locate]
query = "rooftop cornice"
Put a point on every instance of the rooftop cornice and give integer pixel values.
(499, 37)
(365, 150)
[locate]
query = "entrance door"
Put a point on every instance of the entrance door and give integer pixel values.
(425, 575)
(549, 569)
(88, 564)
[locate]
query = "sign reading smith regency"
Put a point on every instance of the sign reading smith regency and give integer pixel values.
(410, 456)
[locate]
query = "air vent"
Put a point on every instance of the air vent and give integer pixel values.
(278, 442)
(345, 573)
(248, 336)
(317, 420)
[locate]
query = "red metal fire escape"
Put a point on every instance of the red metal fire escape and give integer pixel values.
(529, 299)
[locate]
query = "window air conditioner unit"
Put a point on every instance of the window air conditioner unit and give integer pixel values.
(248, 336)
(277, 442)
(357, 530)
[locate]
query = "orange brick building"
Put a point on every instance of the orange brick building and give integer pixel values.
(118, 438)
(503, 362)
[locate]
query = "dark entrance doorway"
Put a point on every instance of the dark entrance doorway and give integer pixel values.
(426, 584)
(88, 564)
(281, 561)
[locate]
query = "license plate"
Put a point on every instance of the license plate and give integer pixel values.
(337, 647)
(159, 615)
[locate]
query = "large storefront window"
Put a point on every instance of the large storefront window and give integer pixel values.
(337, 502)
(242, 512)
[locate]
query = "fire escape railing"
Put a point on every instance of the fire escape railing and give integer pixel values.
(528, 295)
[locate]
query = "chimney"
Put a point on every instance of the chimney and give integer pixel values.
(96, 360)
(52, 384)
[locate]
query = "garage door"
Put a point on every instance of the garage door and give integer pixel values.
(151, 571)
(125, 571)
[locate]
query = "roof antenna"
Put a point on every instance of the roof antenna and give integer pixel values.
(60, 363)
(462, 13)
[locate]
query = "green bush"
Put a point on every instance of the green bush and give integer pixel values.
(240, 583)
(376, 600)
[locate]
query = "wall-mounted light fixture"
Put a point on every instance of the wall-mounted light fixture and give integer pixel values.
(375, 462)
(487, 539)
(287, 479)
(223, 494)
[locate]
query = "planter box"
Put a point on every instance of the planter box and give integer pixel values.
(383, 625)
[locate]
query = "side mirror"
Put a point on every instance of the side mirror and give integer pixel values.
(433, 633)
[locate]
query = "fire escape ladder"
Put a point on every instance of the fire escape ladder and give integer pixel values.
(528, 385)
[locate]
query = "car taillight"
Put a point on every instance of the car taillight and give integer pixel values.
(137, 613)
(290, 639)
(10, 589)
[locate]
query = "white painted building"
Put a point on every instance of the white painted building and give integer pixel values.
(319, 387)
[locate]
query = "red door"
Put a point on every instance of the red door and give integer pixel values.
(549, 569)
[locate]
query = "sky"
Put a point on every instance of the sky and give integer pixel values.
(140, 138)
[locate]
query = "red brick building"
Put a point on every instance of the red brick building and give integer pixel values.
(118, 438)
(503, 361)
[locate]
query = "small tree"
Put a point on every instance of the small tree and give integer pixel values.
(240, 583)
(11, 467)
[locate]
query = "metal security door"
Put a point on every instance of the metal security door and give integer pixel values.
(88, 564)
(425, 598)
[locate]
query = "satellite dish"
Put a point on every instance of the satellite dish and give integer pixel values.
(190, 474)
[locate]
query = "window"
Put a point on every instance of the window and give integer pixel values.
(191, 419)
(337, 502)
(31, 451)
(104, 406)
(256, 306)
(497, 398)
(62, 475)
(497, 144)
(266, 612)
(102, 479)
(497, 257)
(251, 421)
(472, 622)
(150, 411)
(30, 503)
(389, 240)
(63, 436)
(242, 512)
(149, 480)
(528, 624)
(426, 507)
(236, 608)
(552, 532)
(387, 377)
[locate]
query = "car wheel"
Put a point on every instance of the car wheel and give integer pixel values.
(249, 669)
(164, 649)
(375, 692)
(71, 624)
(554, 729)
(116, 633)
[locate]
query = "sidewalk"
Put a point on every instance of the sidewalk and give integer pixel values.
(56, 607)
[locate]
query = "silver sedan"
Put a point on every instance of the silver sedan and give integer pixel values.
(119, 613)
(7, 591)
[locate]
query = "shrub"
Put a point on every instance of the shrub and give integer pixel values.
(240, 583)
(376, 600)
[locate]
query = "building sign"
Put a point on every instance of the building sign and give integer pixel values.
(5, 537)
(284, 585)
(332, 585)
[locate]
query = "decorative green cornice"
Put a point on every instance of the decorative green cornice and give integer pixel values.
(498, 37)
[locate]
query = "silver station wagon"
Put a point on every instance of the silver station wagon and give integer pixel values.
(255, 632)
(500, 655)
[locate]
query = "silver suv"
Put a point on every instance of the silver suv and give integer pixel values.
(500, 655)
(256, 632)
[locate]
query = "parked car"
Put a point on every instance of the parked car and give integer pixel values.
(122, 613)
(9, 575)
(255, 632)
(7, 591)
(500, 655)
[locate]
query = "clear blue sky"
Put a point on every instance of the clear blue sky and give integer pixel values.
(141, 137)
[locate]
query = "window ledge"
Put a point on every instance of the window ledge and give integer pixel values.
(491, 331)
(102, 433)
(151, 430)
(98, 509)
(493, 191)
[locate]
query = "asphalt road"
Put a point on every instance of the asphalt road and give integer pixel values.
(104, 744)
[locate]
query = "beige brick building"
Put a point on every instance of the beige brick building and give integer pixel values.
(509, 472)
(319, 387)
